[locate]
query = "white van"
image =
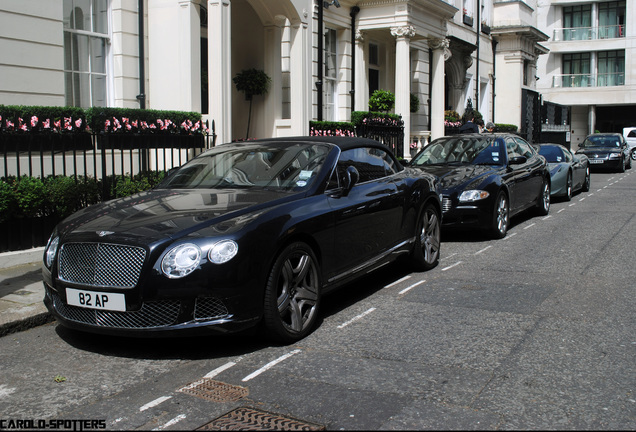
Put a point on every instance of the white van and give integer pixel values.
(630, 136)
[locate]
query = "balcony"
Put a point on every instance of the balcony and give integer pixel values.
(588, 33)
(588, 80)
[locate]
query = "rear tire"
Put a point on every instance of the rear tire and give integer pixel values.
(428, 239)
(292, 294)
(568, 187)
(543, 201)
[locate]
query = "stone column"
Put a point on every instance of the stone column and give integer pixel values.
(403, 36)
(362, 85)
(300, 87)
(220, 67)
(273, 98)
(441, 53)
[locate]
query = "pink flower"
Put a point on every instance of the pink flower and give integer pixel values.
(46, 124)
(106, 125)
(34, 121)
(78, 123)
(57, 124)
(67, 123)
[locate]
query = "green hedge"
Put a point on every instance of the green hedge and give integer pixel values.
(60, 196)
(502, 127)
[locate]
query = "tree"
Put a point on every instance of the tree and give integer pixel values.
(252, 82)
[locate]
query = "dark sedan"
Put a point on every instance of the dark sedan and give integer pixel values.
(244, 234)
(607, 151)
(568, 172)
(485, 179)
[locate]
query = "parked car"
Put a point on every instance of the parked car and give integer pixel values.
(630, 137)
(606, 151)
(569, 172)
(485, 179)
(244, 234)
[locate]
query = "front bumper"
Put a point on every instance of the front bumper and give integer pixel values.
(468, 215)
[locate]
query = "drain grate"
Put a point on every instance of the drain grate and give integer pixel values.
(215, 391)
(246, 418)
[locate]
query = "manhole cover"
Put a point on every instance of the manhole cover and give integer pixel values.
(246, 418)
(215, 391)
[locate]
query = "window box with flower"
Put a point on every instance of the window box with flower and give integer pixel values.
(485, 28)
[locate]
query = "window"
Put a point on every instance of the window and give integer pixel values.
(577, 22)
(374, 68)
(330, 76)
(611, 19)
(85, 51)
(576, 70)
(372, 164)
(611, 68)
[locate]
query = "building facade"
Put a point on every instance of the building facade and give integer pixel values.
(187, 52)
(591, 64)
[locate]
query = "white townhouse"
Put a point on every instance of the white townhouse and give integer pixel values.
(591, 66)
(324, 58)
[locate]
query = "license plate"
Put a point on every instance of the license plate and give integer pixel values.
(96, 300)
(596, 161)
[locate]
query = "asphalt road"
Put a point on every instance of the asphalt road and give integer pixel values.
(535, 331)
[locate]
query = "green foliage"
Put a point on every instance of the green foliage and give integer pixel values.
(30, 196)
(502, 127)
(451, 116)
(122, 186)
(359, 118)
(381, 100)
(331, 128)
(8, 204)
(415, 103)
(252, 82)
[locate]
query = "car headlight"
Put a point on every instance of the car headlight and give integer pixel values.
(223, 251)
(614, 155)
(180, 261)
(473, 195)
(51, 250)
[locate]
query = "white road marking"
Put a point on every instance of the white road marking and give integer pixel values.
(397, 281)
(6, 390)
(355, 318)
(174, 421)
(411, 287)
(560, 210)
(509, 236)
(483, 250)
(530, 226)
(547, 217)
(451, 266)
(451, 255)
(270, 365)
(220, 369)
(154, 403)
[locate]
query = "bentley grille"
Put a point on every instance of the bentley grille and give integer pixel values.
(152, 314)
(101, 264)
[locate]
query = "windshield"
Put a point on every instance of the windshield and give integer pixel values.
(288, 166)
(602, 141)
(552, 154)
(478, 150)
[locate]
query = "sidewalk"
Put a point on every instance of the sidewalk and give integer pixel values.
(21, 291)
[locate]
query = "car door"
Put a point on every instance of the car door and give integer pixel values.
(367, 219)
(579, 170)
(517, 175)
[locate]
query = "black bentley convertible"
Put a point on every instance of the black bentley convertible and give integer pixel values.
(244, 234)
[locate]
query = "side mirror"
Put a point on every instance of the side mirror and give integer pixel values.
(518, 160)
(351, 177)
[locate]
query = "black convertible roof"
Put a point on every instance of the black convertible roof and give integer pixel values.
(344, 143)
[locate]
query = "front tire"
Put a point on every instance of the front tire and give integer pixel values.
(428, 239)
(543, 202)
(501, 216)
(586, 183)
(292, 294)
(634, 154)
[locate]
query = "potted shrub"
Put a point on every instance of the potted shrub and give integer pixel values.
(251, 82)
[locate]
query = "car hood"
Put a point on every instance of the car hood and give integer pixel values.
(168, 213)
(462, 176)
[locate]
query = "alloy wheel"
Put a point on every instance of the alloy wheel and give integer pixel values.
(430, 237)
